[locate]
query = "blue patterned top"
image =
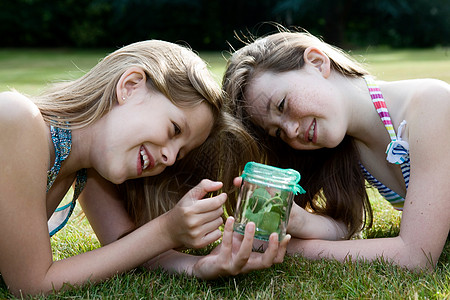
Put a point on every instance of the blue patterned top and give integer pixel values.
(62, 141)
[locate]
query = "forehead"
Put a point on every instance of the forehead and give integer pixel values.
(261, 91)
(259, 85)
(199, 120)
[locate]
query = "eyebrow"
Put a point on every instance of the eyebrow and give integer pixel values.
(185, 124)
(269, 100)
(269, 103)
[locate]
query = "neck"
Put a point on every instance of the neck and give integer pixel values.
(364, 124)
(79, 154)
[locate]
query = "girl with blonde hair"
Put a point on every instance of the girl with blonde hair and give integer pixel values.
(317, 110)
(137, 112)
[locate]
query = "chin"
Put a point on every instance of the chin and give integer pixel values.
(155, 171)
(116, 178)
(118, 181)
(305, 147)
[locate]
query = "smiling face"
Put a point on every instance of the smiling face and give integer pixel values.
(146, 132)
(299, 106)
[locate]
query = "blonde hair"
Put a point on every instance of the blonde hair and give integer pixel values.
(332, 178)
(174, 70)
(183, 77)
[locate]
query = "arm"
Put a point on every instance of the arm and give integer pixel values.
(234, 255)
(426, 215)
(193, 222)
(26, 262)
(306, 225)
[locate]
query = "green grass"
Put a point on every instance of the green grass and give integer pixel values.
(407, 64)
(29, 70)
(297, 278)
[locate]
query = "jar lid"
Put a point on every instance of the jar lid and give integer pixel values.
(286, 179)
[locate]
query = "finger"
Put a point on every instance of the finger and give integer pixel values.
(205, 234)
(211, 226)
(282, 249)
(237, 181)
(209, 238)
(246, 246)
(202, 218)
(210, 204)
(271, 251)
(205, 186)
(227, 239)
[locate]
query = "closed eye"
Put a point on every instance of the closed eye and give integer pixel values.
(278, 133)
(176, 129)
(280, 106)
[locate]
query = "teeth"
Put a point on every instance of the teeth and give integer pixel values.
(145, 159)
(311, 131)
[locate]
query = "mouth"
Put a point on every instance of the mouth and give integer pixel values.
(145, 160)
(311, 131)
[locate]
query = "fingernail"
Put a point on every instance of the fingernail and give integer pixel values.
(287, 237)
(250, 227)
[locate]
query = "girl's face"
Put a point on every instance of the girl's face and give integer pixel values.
(146, 132)
(301, 107)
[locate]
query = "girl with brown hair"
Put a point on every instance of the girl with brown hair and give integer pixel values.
(315, 109)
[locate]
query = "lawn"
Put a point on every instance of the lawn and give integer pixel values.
(29, 70)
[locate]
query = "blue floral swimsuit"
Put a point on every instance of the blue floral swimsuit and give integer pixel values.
(62, 141)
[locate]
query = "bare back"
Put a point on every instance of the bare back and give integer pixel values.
(25, 158)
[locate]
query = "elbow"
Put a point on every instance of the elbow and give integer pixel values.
(422, 261)
(26, 290)
(29, 286)
(417, 257)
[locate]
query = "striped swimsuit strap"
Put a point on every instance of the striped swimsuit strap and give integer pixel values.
(398, 150)
(380, 105)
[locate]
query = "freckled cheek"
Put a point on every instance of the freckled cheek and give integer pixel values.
(299, 108)
(310, 103)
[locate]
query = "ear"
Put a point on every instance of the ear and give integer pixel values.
(319, 60)
(130, 80)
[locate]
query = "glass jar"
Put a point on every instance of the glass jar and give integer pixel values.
(265, 198)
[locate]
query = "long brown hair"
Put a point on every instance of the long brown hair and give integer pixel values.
(332, 178)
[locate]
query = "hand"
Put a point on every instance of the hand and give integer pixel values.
(194, 222)
(234, 255)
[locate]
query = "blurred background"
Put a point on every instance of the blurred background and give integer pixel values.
(43, 41)
(211, 24)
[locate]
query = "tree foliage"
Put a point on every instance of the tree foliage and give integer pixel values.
(211, 24)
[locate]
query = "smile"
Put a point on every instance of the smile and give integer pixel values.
(311, 131)
(145, 159)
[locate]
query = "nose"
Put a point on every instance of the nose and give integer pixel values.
(290, 129)
(169, 154)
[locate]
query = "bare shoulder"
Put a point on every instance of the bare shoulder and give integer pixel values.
(16, 110)
(21, 123)
(431, 91)
(429, 98)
